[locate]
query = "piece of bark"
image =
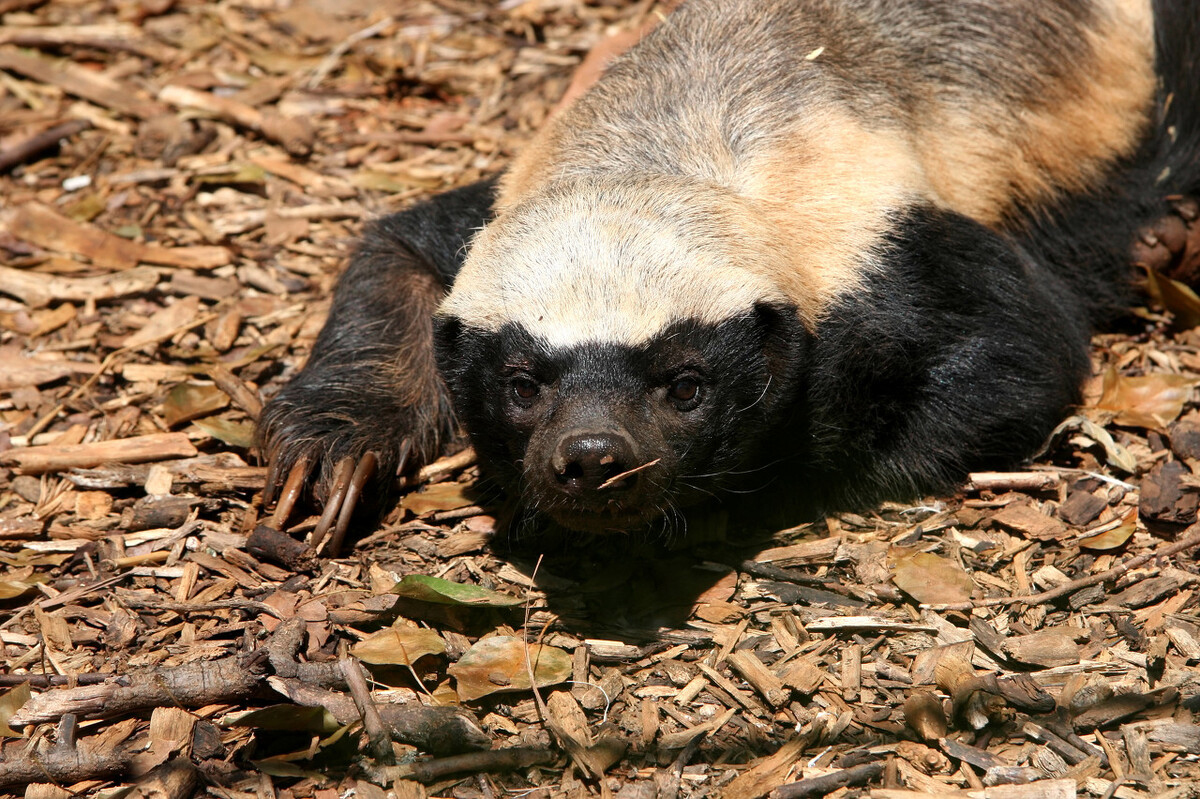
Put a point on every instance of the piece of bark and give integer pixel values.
(828, 783)
(38, 289)
(22, 151)
(1030, 522)
(175, 779)
(1152, 589)
(17, 370)
(1082, 507)
(1165, 498)
(1184, 437)
(76, 80)
(293, 133)
(979, 758)
(140, 449)
(115, 36)
(41, 225)
(760, 677)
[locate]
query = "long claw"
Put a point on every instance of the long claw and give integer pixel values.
(291, 491)
(333, 504)
(362, 473)
(272, 479)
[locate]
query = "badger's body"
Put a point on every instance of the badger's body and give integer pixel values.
(867, 238)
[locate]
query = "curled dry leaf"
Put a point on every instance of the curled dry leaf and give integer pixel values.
(499, 664)
(398, 646)
(235, 434)
(445, 592)
(1176, 297)
(1151, 401)
(930, 579)
(187, 401)
(11, 589)
(437, 497)
(291, 718)
(10, 702)
(1115, 538)
(1114, 453)
(923, 712)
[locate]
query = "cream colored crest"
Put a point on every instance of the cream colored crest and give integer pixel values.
(615, 262)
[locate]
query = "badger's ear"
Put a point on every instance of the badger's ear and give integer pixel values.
(785, 340)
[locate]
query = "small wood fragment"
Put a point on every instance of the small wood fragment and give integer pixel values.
(828, 783)
(140, 449)
(22, 151)
(753, 671)
(293, 133)
(41, 225)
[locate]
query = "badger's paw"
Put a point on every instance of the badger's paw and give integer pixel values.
(1171, 244)
(340, 453)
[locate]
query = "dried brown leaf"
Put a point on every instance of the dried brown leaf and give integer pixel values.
(930, 579)
(499, 664)
(1152, 401)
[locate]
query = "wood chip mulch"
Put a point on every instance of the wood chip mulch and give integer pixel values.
(179, 186)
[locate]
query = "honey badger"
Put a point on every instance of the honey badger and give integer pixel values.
(864, 238)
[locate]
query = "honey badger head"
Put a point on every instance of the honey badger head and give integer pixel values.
(615, 350)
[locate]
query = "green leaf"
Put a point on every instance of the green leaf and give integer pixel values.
(499, 664)
(445, 592)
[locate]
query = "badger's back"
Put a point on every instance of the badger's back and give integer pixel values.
(828, 120)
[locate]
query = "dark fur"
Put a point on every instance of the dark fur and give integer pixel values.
(371, 383)
(962, 355)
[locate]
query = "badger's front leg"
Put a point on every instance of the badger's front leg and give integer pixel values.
(962, 355)
(370, 402)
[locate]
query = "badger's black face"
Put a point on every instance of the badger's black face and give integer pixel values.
(605, 437)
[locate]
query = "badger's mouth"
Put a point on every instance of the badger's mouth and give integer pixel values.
(613, 518)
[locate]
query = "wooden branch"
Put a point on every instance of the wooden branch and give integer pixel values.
(38, 289)
(1011, 481)
(377, 734)
(111, 36)
(293, 133)
(22, 151)
(1190, 540)
(21, 768)
(140, 449)
(477, 762)
(225, 681)
(828, 783)
(74, 79)
(45, 227)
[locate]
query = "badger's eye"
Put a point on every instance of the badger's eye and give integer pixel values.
(684, 391)
(524, 389)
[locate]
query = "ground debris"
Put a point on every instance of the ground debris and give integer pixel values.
(182, 184)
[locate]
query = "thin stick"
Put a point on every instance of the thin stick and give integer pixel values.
(23, 150)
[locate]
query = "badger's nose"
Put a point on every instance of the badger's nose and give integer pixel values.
(586, 461)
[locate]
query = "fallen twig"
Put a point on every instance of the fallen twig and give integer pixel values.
(1190, 540)
(474, 762)
(828, 783)
(22, 151)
